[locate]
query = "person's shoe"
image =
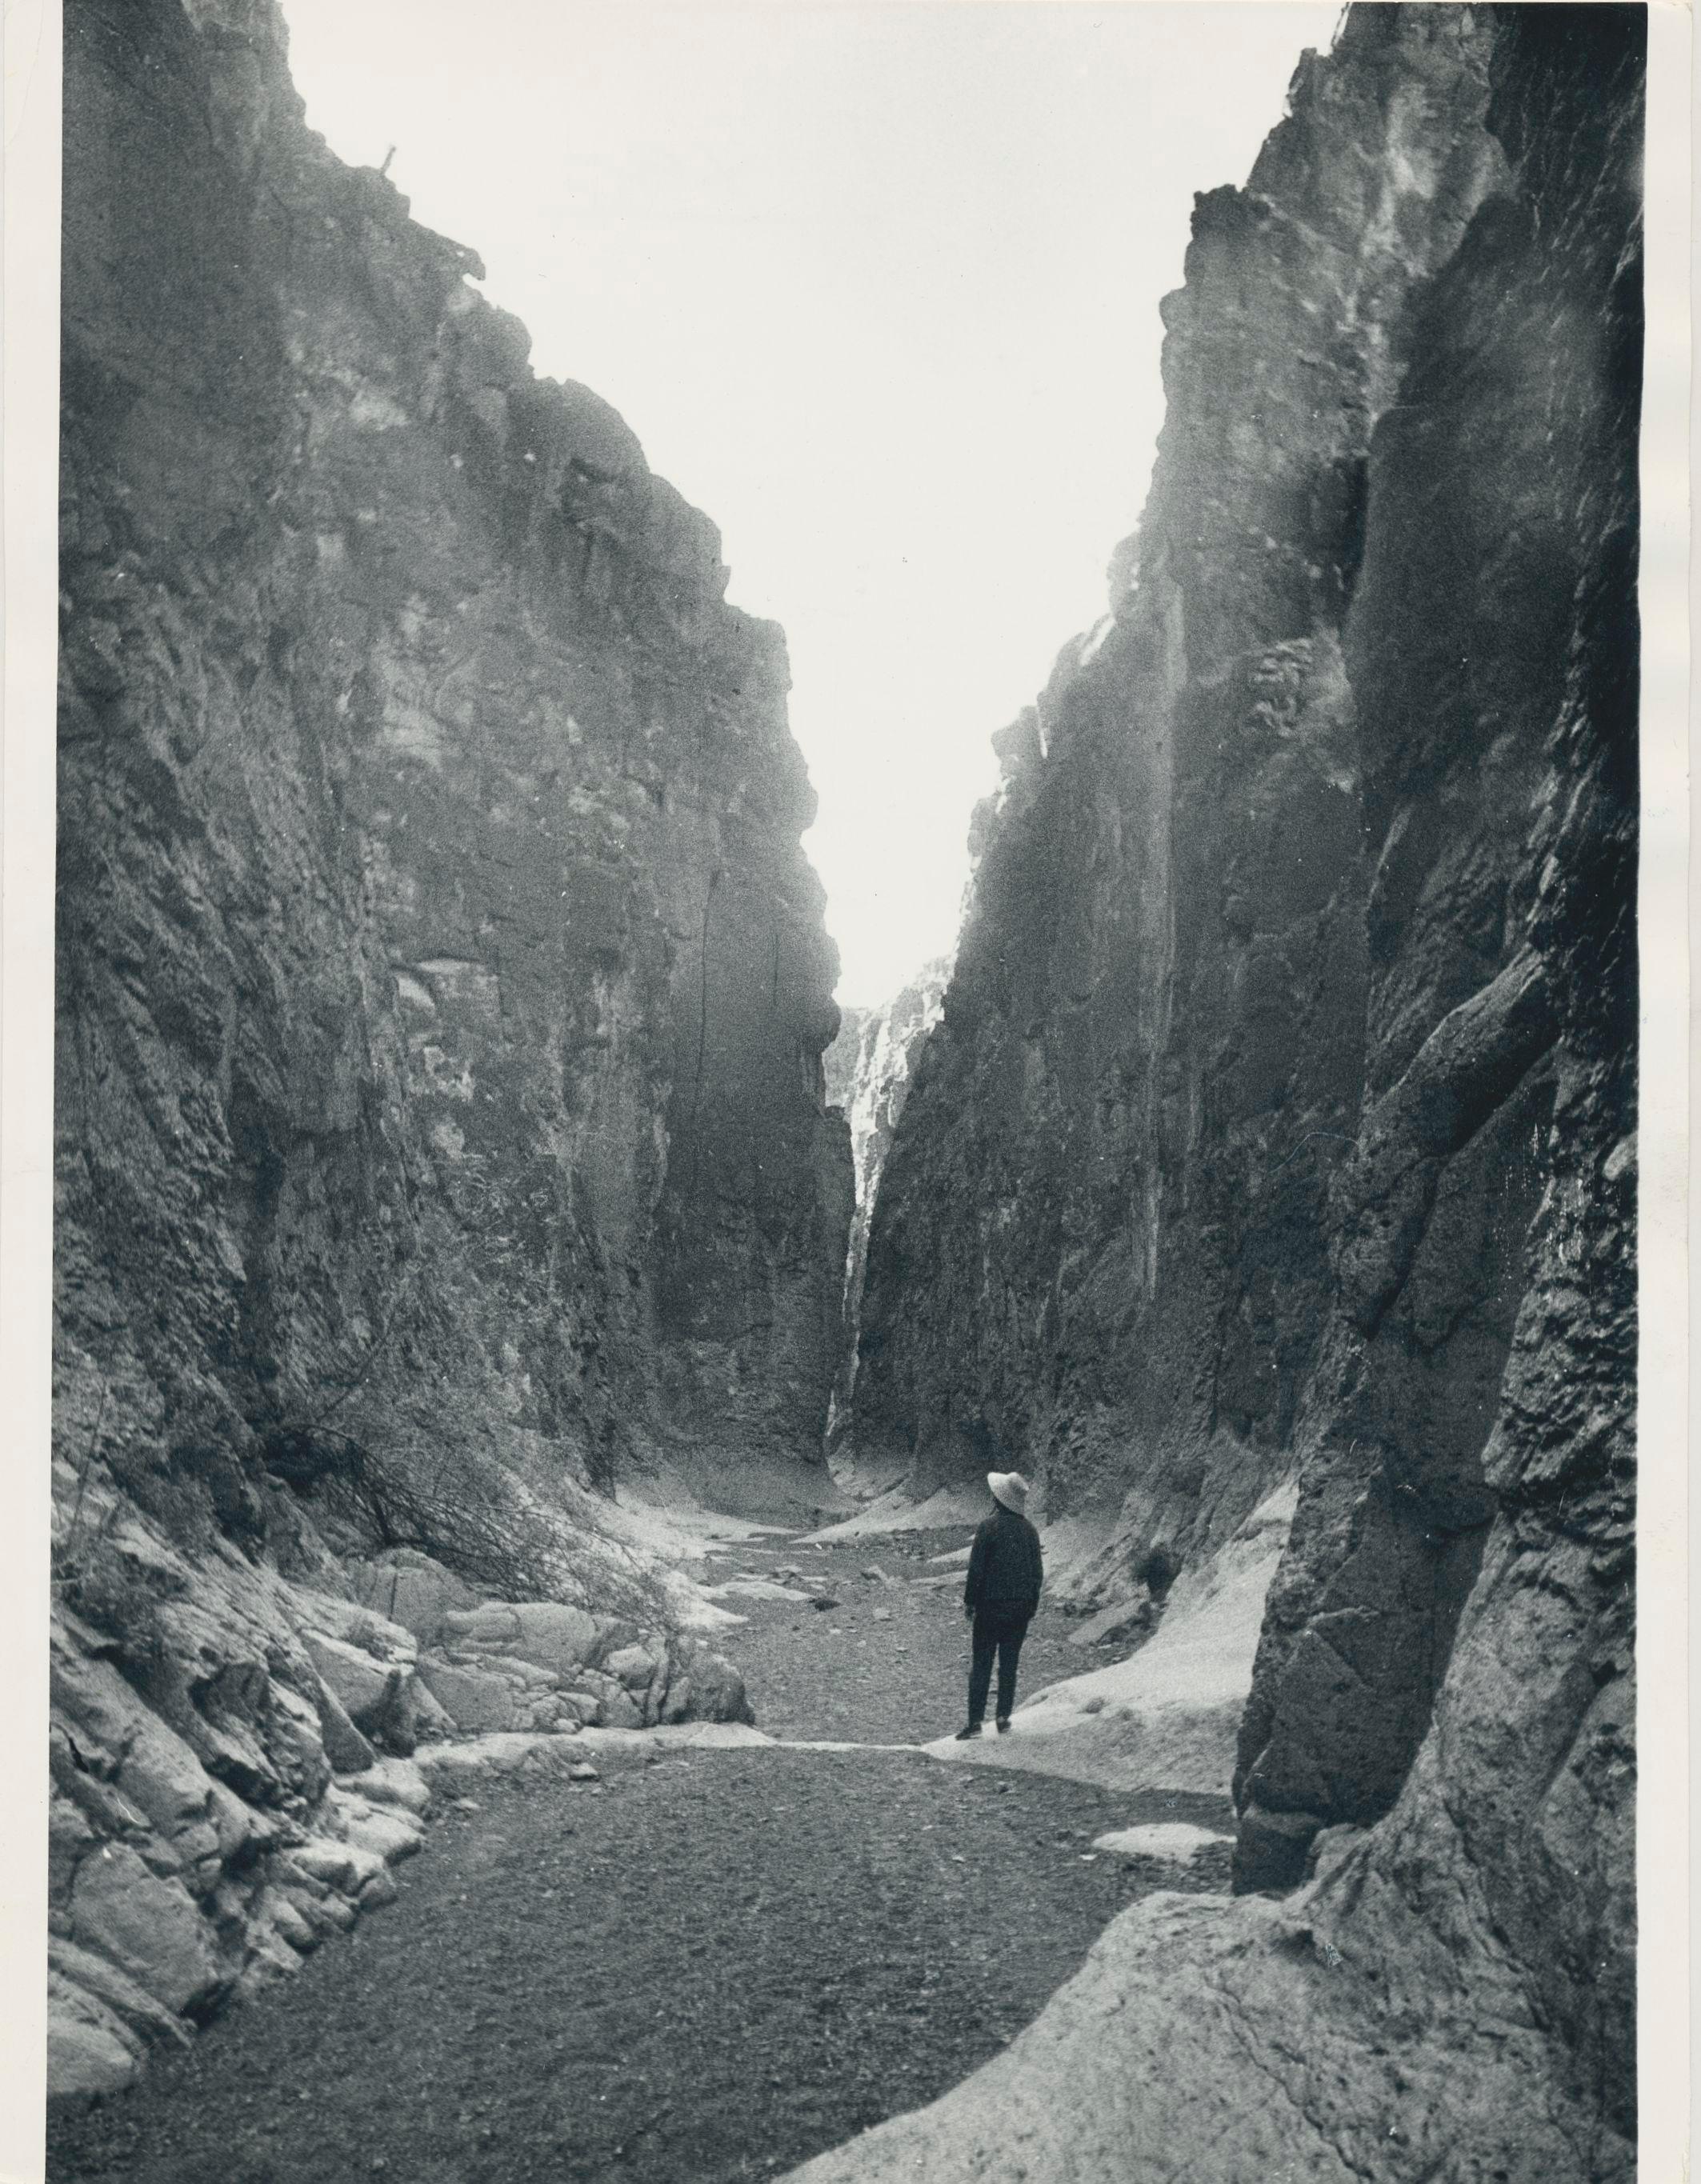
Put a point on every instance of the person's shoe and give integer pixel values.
(1003, 1725)
(972, 1729)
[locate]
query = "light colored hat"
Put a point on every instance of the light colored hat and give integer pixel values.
(1010, 1488)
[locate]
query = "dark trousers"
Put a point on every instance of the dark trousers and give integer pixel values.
(998, 1629)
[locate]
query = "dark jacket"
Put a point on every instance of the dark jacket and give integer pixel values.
(1005, 1569)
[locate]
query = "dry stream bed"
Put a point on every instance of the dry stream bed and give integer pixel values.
(705, 1968)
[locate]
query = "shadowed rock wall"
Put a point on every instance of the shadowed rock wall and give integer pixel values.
(442, 985)
(1281, 1120)
(442, 993)
(1115, 1159)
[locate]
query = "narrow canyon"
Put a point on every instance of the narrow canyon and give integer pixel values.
(514, 1336)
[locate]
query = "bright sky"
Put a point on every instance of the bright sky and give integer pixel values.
(876, 286)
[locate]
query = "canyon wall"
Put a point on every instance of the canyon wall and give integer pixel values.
(442, 985)
(1279, 1123)
(441, 1136)
(867, 1072)
(1116, 1157)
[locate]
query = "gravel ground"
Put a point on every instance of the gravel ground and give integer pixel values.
(707, 1968)
(839, 1672)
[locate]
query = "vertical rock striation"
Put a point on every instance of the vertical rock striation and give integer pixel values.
(441, 1135)
(1116, 1157)
(1280, 1119)
(868, 1068)
(443, 986)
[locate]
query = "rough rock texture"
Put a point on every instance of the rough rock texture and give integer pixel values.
(1238, 2049)
(867, 1074)
(230, 1757)
(442, 991)
(1281, 1115)
(442, 987)
(1114, 1161)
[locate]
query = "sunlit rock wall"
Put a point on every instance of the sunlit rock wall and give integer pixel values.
(868, 1070)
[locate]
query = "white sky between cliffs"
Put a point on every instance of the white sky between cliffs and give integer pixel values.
(877, 287)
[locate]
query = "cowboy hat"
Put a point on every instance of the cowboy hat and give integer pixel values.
(1010, 1488)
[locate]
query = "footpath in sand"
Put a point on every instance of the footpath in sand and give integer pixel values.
(711, 1964)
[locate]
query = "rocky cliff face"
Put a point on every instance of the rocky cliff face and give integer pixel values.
(441, 986)
(1117, 1151)
(868, 1074)
(1281, 1117)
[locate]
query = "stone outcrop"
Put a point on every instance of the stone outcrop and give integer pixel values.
(1116, 1157)
(1280, 1122)
(442, 985)
(867, 1075)
(441, 1134)
(232, 1754)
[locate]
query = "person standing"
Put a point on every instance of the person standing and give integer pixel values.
(1006, 1571)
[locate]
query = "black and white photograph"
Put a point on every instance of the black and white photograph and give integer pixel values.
(850, 1268)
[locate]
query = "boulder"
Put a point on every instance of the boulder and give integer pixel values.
(145, 1924)
(241, 1832)
(161, 1776)
(365, 1687)
(707, 1687)
(283, 1914)
(143, 2020)
(324, 1912)
(397, 1782)
(420, 1718)
(635, 1666)
(475, 1699)
(410, 1588)
(290, 1744)
(554, 1637)
(377, 1890)
(347, 1867)
(618, 1710)
(347, 1751)
(386, 1831)
(492, 1622)
(528, 1675)
(87, 2055)
(548, 1711)
(270, 1960)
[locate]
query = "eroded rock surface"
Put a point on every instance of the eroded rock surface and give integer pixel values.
(1282, 1118)
(233, 1756)
(867, 1071)
(441, 992)
(1115, 1158)
(442, 987)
